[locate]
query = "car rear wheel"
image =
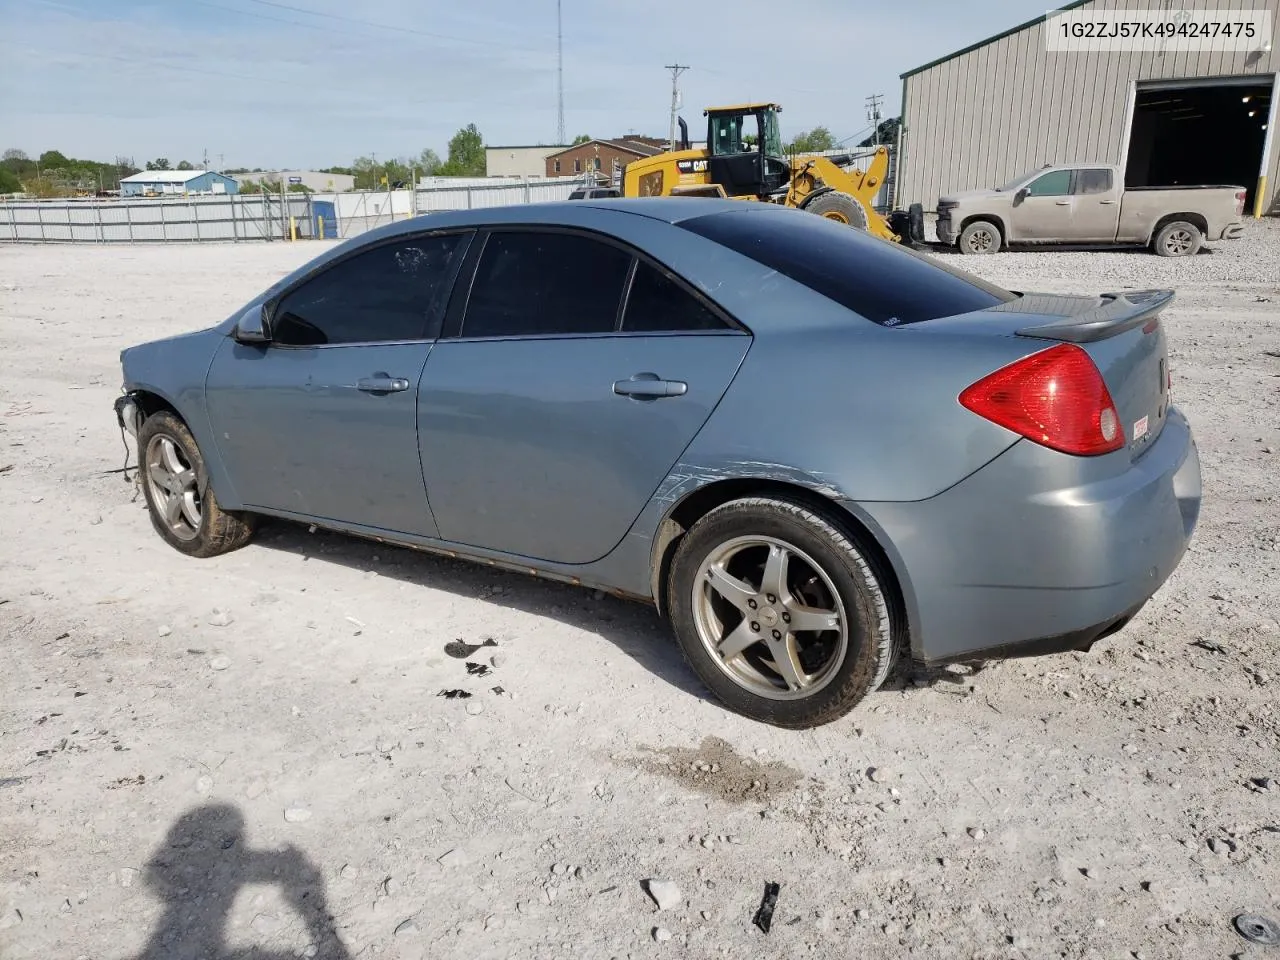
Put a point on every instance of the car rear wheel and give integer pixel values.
(980, 237)
(779, 612)
(1177, 239)
(182, 505)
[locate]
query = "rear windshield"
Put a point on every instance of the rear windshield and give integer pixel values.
(888, 284)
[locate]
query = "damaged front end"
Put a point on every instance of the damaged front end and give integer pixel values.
(128, 413)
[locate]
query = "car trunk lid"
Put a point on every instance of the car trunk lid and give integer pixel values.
(1121, 332)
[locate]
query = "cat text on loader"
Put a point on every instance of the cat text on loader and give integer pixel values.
(744, 160)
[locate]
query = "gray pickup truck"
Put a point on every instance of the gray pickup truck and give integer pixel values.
(1088, 204)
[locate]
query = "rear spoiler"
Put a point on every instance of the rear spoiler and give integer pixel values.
(1117, 313)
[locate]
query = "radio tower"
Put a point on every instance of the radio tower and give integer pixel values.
(559, 76)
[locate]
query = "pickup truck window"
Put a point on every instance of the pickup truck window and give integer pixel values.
(1057, 183)
(1093, 181)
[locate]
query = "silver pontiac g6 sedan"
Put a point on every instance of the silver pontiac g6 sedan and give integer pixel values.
(809, 448)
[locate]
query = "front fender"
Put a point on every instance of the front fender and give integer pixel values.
(173, 372)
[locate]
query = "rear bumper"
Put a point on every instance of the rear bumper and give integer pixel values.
(998, 567)
(1233, 231)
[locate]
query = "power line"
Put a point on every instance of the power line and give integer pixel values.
(676, 69)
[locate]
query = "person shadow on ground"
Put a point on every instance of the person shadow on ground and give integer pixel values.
(199, 870)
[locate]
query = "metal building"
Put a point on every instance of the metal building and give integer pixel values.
(1007, 105)
(151, 183)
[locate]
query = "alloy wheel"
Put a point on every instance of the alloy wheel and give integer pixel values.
(173, 487)
(770, 617)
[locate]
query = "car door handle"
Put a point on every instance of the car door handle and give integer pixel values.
(1063, 203)
(382, 383)
(648, 386)
(1106, 201)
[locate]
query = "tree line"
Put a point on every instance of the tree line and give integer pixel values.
(54, 175)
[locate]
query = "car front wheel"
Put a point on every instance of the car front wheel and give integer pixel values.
(780, 612)
(182, 505)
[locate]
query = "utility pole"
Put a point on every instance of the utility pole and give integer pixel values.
(676, 69)
(559, 78)
(873, 114)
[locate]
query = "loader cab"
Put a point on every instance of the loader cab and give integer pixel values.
(744, 149)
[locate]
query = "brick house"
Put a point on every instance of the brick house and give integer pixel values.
(605, 157)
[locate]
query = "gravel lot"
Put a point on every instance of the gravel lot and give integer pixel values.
(213, 758)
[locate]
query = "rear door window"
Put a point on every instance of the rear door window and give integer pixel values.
(658, 304)
(1093, 181)
(882, 281)
(536, 283)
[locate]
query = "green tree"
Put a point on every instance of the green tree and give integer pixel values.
(9, 182)
(365, 172)
(184, 165)
(162, 163)
(580, 138)
(429, 163)
(17, 162)
(53, 160)
(888, 132)
(812, 141)
(466, 154)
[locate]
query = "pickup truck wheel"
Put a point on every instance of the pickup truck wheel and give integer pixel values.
(980, 237)
(839, 207)
(1177, 239)
(183, 509)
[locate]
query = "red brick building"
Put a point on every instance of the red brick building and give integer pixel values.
(604, 157)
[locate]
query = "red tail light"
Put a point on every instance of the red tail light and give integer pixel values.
(1240, 195)
(1056, 398)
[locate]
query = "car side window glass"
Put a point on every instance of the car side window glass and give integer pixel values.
(658, 304)
(1093, 181)
(393, 292)
(530, 283)
(1054, 184)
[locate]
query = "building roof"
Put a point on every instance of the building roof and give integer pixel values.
(528, 146)
(623, 144)
(167, 176)
(983, 43)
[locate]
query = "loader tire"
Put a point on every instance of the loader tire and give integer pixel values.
(839, 207)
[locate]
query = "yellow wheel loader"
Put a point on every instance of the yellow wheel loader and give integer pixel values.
(744, 160)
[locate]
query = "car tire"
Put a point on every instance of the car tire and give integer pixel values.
(1177, 239)
(183, 507)
(980, 237)
(753, 658)
(839, 207)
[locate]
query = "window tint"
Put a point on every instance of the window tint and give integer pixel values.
(1055, 184)
(1093, 181)
(392, 292)
(887, 283)
(530, 283)
(657, 303)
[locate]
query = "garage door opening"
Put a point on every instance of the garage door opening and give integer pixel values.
(1200, 132)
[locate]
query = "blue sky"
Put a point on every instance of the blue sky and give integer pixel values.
(312, 83)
